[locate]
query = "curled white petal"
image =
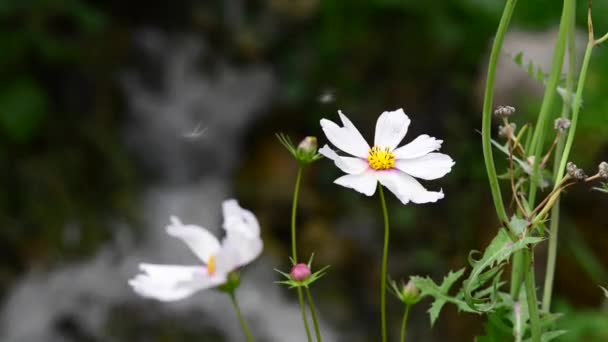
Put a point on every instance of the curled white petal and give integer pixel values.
(200, 240)
(238, 219)
(430, 166)
(407, 188)
(347, 138)
(420, 146)
(391, 128)
(349, 165)
(364, 183)
(172, 282)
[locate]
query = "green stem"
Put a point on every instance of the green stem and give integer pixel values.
(294, 207)
(404, 322)
(244, 326)
(550, 90)
(517, 274)
(535, 327)
(311, 306)
(575, 110)
(384, 263)
(486, 126)
(304, 318)
(559, 151)
(294, 251)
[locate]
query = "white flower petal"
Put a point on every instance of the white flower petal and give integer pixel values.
(420, 146)
(430, 166)
(237, 250)
(391, 128)
(172, 282)
(239, 219)
(200, 241)
(364, 183)
(406, 188)
(347, 138)
(349, 165)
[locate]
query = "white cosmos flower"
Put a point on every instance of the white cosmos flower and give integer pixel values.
(393, 167)
(240, 246)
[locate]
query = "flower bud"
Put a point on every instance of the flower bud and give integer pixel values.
(410, 293)
(308, 146)
(603, 170)
(300, 272)
(504, 111)
(575, 172)
(561, 124)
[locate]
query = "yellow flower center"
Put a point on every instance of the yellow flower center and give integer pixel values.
(211, 265)
(381, 159)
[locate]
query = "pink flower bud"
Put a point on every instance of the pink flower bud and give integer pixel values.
(300, 272)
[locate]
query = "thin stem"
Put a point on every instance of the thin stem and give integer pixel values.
(486, 125)
(304, 318)
(244, 326)
(311, 306)
(294, 207)
(384, 263)
(567, 107)
(535, 327)
(550, 90)
(575, 109)
(294, 251)
(404, 322)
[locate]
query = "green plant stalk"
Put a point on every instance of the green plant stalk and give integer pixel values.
(294, 208)
(535, 327)
(575, 111)
(311, 306)
(244, 326)
(294, 251)
(404, 321)
(559, 151)
(384, 264)
(517, 274)
(486, 125)
(550, 90)
(486, 134)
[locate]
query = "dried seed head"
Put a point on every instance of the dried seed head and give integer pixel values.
(561, 125)
(504, 111)
(507, 131)
(603, 170)
(575, 172)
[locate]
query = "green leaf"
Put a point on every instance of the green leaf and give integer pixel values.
(494, 257)
(428, 287)
(549, 336)
(518, 225)
(518, 59)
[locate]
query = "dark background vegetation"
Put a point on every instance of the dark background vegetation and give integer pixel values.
(63, 158)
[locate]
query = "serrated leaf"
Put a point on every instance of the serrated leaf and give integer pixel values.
(428, 287)
(495, 255)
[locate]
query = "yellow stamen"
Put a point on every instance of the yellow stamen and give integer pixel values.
(381, 159)
(211, 265)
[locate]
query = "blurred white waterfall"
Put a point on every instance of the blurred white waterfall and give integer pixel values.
(169, 95)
